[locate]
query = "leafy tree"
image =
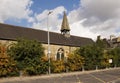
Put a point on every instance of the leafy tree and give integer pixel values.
(44, 64)
(57, 66)
(105, 59)
(100, 43)
(115, 52)
(74, 62)
(27, 54)
(7, 64)
(92, 56)
(98, 54)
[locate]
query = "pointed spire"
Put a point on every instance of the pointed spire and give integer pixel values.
(65, 29)
(65, 24)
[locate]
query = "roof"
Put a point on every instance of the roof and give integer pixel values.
(10, 32)
(116, 40)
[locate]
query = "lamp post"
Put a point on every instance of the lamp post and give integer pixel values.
(49, 68)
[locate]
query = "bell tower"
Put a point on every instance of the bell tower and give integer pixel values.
(65, 29)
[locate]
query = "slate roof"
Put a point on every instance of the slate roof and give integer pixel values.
(11, 32)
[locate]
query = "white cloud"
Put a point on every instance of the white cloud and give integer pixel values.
(102, 16)
(14, 9)
(53, 19)
(78, 29)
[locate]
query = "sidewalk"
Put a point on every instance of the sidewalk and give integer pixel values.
(23, 78)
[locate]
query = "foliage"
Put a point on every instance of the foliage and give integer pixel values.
(100, 43)
(115, 52)
(74, 62)
(44, 64)
(57, 66)
(27, 54)
(92, 56)
(105, 59)
(99, 55)
(7, 64)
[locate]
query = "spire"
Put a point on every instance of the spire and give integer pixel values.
(65, 26)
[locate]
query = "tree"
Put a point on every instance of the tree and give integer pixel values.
(99, 55)
(57, 66)
(100, 43)
(115, 52)
(74, 62)
(7, 64)
(92, 55)
(27, 54)
(105, 60)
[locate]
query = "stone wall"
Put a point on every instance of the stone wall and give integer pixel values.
(53, 48)
(6, 42)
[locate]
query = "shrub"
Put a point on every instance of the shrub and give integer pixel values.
(7, 64)
(27, 54)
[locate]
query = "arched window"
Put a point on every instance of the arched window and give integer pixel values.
(60, 54)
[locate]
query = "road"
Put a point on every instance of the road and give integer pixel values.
(97, 76)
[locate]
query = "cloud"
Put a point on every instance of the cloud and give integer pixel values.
(54, 19)
(13, 9)
(101, 9)
(90, 19)
(102, 16)
(78, 29)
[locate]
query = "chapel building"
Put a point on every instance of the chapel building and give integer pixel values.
(60, 43)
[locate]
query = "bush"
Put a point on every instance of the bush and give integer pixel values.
(57, 66)
(27, 54)
(74, 62)
(7, 64)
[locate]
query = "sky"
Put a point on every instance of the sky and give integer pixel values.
(87, 18)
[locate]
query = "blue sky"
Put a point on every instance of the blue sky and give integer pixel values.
(87, 18)
(40, 5)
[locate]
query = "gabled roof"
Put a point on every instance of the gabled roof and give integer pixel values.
(10, 32)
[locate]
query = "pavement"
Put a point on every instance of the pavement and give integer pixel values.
(111, 75)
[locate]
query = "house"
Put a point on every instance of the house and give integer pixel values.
(114, 42)
(60, 43)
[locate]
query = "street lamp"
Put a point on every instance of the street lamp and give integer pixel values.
(49, 69)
